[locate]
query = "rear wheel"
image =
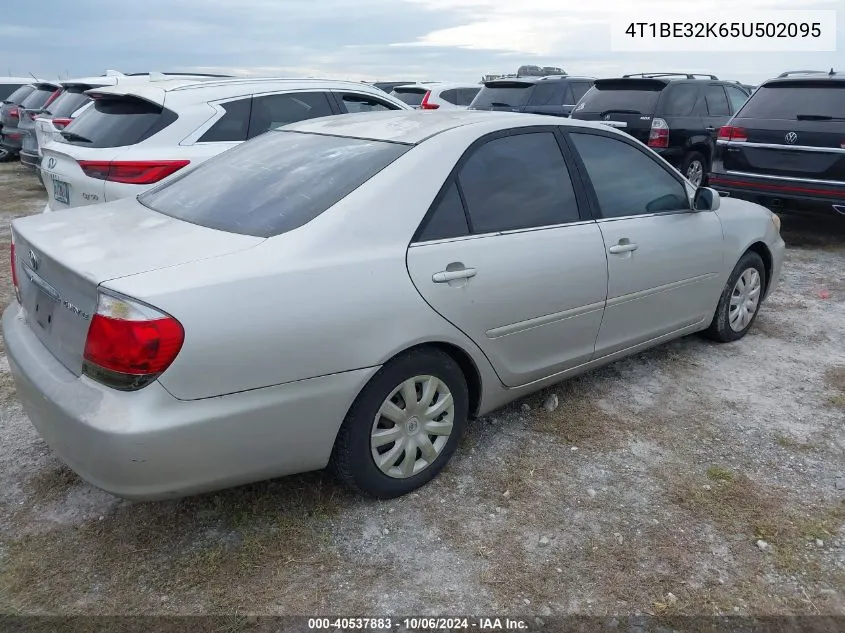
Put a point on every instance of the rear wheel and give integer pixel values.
(740, 300)
(695, 168)
(404, 426)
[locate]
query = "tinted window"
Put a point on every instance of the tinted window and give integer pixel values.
(272, 184)
(467, 95)
(68, 102)
(20, 94)
(549, 94)
(681, 100)
(717, 102)
(272, 111)
(640, 97)
(506, 94)
(788, 99)
(737, 98)
(360, 103)
(517, 182)
(450, 95)
(233, 125)
(579, 89)
(37, 98)
(448, 218)
(626, 181)
(6, 90)
(412, 96)
(117, 123)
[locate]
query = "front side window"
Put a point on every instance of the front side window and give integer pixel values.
(626, 181)
(272, 111)
(516, 182)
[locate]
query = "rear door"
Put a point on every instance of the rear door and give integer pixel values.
(270, 111)
(626, 104)
(794, 129)
(664, 260)
(718, 110)
(506, 256)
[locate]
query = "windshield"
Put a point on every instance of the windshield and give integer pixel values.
(37, 98)
(503, 94)
(20, 94)
(790, 100)
(272, 184)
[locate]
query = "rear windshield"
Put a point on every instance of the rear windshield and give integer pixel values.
(20, 94)
(272, 184)
(117, 123)
(411, 96)
(503, 94)
(37, 98)
(68, 102)
(6, 90)
(638, 97)
(788, 100)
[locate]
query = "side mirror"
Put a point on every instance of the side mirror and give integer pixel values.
(706, 199)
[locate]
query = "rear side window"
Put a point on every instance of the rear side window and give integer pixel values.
(360, 103)
(717, 101)
(272, 111)
(20, 94)
(450, 95)
(6, 90)
(504, 94)
(412, 96)
(466, 95)
(680, 100)
(517, 182)
(232, 126)
(786, 100)
(37, 98)
(579, 89)
(625, 95)
(448, 218)
(68, 102)
(272, 184)
(117, 123)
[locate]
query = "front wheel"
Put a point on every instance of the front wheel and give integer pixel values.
(404, 426)
(740, 300)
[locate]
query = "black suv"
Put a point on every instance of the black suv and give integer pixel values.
(677, 115)
(554, 94)
(785, 148)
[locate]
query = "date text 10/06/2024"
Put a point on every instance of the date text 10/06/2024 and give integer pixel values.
(418, 624)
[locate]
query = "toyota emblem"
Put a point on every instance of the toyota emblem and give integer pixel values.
(791, 138)
(51, 163)
(33, 260)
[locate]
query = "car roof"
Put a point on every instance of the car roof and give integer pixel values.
(192, 90)
(537, 80)
(412, 127)
(439, 85)
(808, 78)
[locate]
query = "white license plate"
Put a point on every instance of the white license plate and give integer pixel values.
(61, 191)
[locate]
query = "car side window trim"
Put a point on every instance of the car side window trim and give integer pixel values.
(594, 206)
(581, 199)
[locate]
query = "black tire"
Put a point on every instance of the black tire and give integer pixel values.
(695, 158)
(720, 329)
(352, 459)
(6, 156)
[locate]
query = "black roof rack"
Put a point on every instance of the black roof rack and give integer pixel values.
(789, 73)
(656, 75)
(183, 74)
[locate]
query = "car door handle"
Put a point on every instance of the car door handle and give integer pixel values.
(445, 276)
(622, 248)
(710, 129)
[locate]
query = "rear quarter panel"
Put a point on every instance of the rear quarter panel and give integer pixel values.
(331, 296)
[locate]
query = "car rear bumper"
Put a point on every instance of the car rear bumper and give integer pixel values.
(30, 159)
(781, 193)
(11, 141)
(149, 445)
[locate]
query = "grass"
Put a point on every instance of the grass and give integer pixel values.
(717, 473)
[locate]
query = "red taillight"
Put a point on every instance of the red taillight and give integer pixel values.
(129, 344)
(14, 270)
(425, 105)
(659, 135)
(14, 112)
(132, 172)
(734, 134)
(61, 124)
(52, 97)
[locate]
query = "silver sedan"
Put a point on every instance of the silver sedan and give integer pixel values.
(349, 291)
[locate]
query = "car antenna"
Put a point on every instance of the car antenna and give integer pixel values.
(33, 76)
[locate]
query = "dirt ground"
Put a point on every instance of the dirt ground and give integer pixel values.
(695, 478)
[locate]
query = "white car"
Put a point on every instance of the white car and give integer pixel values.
(137, 135)
(73, 101)
(436, 95)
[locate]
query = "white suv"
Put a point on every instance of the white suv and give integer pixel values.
(437, 95)
(135, 136)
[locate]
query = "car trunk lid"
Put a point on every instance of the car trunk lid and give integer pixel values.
(503, 95)
(626, 104)
(62, 259)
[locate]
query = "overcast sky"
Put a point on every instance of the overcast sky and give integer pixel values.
(367, 39)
